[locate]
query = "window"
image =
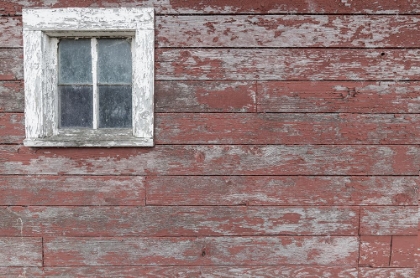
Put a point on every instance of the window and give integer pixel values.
(88, 77)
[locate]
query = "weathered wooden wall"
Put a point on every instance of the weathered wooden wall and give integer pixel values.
(287, 145)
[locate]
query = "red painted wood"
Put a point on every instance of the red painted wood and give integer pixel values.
(290, 271)
(234, 6)
(388, 220)
(279, 190)
(228, 251)
(213, 160)
(20, 251)
(287, 64)
(201, 96)
(267, 128)
(12, 128)
(177, 221)
(11, 97)
(265, 64)
(268, 31)
(403, 250)
(288, 31)
(71, 191)
(11, 64)
(367, 272)
(375, 251)
(338, 96)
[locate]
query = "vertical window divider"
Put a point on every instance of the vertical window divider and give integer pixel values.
(94, 48)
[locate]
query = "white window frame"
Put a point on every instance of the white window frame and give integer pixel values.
(42, 29)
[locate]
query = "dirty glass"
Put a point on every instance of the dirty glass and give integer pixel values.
(114, 106)
(114, 61)
(75, 61)
(76, 106)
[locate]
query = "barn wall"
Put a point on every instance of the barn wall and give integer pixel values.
(287, 145)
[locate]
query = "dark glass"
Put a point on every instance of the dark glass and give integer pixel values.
(114, 61)
(114, 106)
(75, 61)
(76, 106)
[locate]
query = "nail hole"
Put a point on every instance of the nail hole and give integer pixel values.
(383, 54)
(203, 253)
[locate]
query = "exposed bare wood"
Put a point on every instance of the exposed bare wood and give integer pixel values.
(20, 251)
(11, 64)
(287, 64)
(268, 31)
(278, 190)
(214, 160)
(13, 7)
(290, 271)
(228, 251)
(177, 221)
(387, 220)
(71, 191)
(339, 96)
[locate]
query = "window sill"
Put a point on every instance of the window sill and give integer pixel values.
(91, 138)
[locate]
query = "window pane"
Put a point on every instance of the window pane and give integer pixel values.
(114, 106)
(75, 61)
(114, 61)
(76, 106)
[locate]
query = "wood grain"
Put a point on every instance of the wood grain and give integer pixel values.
(177, 221)
(288, 31)
(279, 190)
(71, 191)
(388, 220)
(13, 7)
(266, 128)
(287, 64)
(290, 271)
(205, 251)
(20, 251)
(213, 160)
(268, 31)
(273, 96)
(338, 96)
(266, 64)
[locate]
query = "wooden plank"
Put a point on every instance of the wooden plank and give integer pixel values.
(266, 64)
(12, 98)
(269, 128)
(12, 128)
(338, 96)
(273, 96)
(291, 271)
(13, 7)
(227, 251)
(287, 64)
(20, 251)
(288, 31)
(213, 160)
(268, 31)
(403, 250)
(177, 221)
(279, 190)
(367, 272)
(170, 96)
(199, 96)
(71, 191)
(266, 128)
(388, 220)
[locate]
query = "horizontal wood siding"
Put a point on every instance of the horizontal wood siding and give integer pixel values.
(287, 139)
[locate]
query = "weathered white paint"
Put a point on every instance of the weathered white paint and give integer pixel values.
(41, 30)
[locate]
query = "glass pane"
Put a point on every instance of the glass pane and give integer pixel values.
(75, 61)
(114, 61)
(114, 106)
(76, 106)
